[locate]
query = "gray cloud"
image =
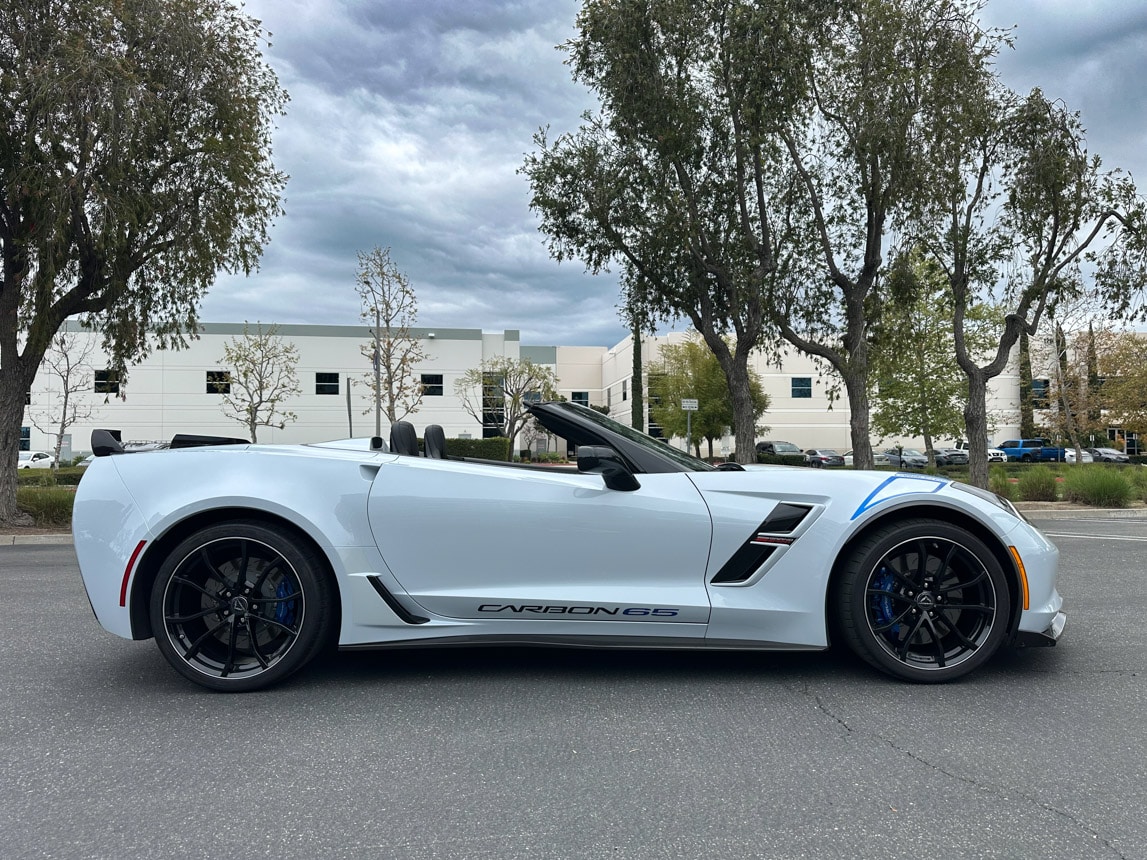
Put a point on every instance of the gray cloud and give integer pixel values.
(408, 121)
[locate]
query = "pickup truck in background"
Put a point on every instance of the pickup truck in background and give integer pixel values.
(1032, 450)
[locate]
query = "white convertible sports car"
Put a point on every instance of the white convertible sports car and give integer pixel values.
(244, 561)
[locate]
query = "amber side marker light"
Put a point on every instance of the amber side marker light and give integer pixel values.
(1023, 574)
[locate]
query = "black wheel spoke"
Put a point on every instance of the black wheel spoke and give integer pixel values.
(902, 651)
(195, 585)
(229, 666)
(263, 574)
(285, 597)
(983, 574)
(244, 560)
(883, 627)
(294, 631)
(194, 616)
(971, 607)
(955, 631)
(254, 643)
(208, 634)
(937, 640)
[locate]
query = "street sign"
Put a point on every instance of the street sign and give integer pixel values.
(688, 404)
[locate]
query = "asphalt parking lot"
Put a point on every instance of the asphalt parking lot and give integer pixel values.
(105, 752)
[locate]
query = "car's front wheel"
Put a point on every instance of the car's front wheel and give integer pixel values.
(239, 606)
(923, 600)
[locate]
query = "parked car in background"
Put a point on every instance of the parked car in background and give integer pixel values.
(878, 458)
(1108, 455)
(906, 458)
(951, 457)
(820, 457)
(34, 460)
(995, 455)
(1085, 456)
(777, 448)
(1033, 450)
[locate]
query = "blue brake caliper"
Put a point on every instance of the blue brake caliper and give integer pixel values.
(882, 603)
(284, 609)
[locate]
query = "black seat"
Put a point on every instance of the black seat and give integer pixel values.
(403, 439)
(434, 440)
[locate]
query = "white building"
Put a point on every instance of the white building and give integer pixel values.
(176, 391)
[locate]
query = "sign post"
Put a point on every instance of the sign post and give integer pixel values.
(688, 406)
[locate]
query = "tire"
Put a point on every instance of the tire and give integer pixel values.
(1026, 458)
(240, 606)
(923, 601)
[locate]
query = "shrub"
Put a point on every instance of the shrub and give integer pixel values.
(48, 506)
(1138, 478)
(1038, 484)
(497, 448)
(999, 484)
(1098, 485)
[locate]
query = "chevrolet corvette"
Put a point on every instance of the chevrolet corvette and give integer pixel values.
(244, 561)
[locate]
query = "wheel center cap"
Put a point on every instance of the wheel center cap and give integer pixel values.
(239, 604)
(925, 598)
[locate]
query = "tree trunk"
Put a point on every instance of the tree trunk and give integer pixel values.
(13, 392)
(855, 380)
(637, 405)
(976, 423)
(744, 419)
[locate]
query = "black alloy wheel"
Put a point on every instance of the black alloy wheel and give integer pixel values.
(923, 600)
(240, 606)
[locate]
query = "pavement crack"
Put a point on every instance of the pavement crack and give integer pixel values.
(979, 785)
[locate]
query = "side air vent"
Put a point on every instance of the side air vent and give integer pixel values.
(770, 535)
(397, 608)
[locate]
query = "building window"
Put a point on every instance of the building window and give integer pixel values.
(1131, 444)
(1041, 393)
(219, 382)
(326, 383)
(580, 397)
(609, 398)
(624, 389)
(432, 384)
(493, 406)
(25, 438)
(802, 386)
(106, 382)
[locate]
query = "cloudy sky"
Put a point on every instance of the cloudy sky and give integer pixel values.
(408, 121)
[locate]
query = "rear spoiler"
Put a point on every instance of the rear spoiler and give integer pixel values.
(107, 442)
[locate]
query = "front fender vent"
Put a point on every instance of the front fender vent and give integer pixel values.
(770, 535)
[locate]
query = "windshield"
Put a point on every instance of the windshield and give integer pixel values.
(786, 448)
(686, 461)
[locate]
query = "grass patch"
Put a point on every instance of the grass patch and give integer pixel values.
(48, 506)
(1038, 484)
(999, 484)
(1138, 477)
(1098, 485)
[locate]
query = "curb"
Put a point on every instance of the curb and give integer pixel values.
(44, 540)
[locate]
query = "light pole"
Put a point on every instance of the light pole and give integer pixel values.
(377, 374)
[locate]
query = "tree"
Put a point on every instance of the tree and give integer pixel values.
(261, 376)
(391, 308)
(1023, 208)
(1122, 381)
(67, 363)
(673, 179)
(750, 160)
(135, 162)
(690, 370)
(495, 393)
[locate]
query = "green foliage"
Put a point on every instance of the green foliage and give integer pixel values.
(917, 389)
(48, 506)
(1001, 485)
(495, 448)
(135, 163)
(690, 370)
(1138, 479)
(64, 477)
(1099, 485)
(1038, 484)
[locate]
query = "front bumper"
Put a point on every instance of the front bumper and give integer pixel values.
(1043, 638)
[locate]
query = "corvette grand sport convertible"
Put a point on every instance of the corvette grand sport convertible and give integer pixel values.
(244, 561)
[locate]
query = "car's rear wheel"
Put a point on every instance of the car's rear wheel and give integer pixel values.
(239, 606)
(923, 600)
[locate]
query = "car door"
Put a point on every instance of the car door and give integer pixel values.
(476, 541)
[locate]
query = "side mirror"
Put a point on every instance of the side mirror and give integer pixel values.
(603, 460)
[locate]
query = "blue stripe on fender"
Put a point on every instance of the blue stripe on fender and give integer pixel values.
(900, 485)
